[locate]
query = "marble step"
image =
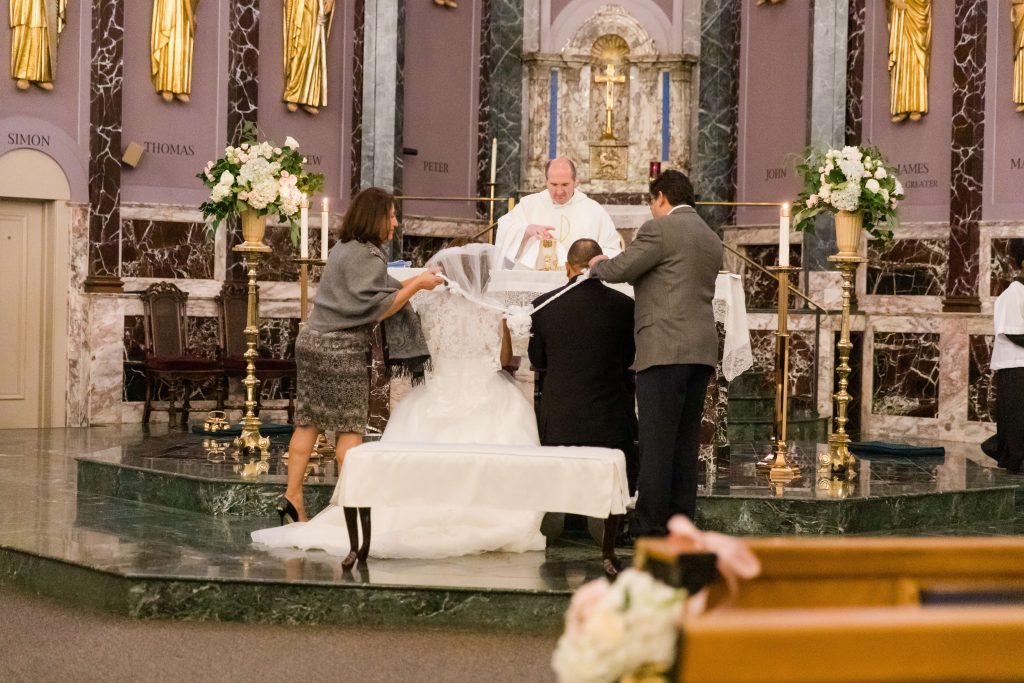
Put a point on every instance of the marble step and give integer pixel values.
(799, 428)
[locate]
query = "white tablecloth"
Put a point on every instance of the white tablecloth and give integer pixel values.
(584, 481)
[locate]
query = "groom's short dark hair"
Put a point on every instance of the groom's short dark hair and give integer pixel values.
(581, 251)
(675, 186)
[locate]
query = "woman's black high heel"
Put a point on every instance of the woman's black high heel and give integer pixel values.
(364, 523)
(286, 511)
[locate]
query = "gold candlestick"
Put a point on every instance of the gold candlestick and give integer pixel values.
(780, 470)
(838, 443)
(250, 439)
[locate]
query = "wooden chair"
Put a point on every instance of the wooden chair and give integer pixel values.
(167, 359)
(232, 304)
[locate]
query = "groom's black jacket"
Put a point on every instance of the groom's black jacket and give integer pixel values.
(584, 342)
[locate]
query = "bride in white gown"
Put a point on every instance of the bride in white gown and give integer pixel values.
(466, 399)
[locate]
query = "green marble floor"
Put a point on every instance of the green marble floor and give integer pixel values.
(89, 531)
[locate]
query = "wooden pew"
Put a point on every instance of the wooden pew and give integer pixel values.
(856, 609)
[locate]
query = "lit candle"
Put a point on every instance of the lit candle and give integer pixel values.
(304, 227)
(494, 158)
(784, 235)
(324, 224)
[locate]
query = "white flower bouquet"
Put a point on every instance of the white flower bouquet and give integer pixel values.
(852, 179)
(260, 177)
(617, 629)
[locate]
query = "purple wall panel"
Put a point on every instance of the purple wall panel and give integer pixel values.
(442, 81)
(921, 149)
(323, 138)
(773, 97)
(1004, 126)
(179, 137)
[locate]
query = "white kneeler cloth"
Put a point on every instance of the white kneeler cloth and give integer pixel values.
(580, 480)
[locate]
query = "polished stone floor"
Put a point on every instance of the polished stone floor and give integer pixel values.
(199, 563)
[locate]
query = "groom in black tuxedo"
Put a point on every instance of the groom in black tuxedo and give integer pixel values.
(583, 342)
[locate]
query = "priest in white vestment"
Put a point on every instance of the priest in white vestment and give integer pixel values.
(562, 213)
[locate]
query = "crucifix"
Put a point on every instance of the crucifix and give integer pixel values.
(609, 78)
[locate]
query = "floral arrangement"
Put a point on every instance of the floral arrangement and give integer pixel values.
(618, 629)
(260, 177)
(851, 179)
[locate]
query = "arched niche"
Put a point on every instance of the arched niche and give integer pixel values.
(31, 174)
(583, 21)
(614, 20)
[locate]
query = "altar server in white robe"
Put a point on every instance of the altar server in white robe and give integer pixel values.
(561, 212)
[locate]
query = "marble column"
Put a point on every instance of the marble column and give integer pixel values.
(381, 162)
(501, 78)
(718, 109)
(106, 77)
(828, 107)
(243, 67)
(358, 45)
(855, 70)
(967, 155)
(243, 102)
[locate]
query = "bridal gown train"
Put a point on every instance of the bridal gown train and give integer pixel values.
(466, 399)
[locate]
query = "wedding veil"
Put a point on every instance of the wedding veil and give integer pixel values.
(467, 268)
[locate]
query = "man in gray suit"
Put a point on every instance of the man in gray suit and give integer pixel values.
(672, 264)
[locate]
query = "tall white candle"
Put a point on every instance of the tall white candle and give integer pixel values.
(304, 228)
(494, 158)
(324, 224)
(784, 235)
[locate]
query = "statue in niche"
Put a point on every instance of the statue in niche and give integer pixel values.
(1017, 19)
(307, 26)
(36, 26)
(910, 46)
(171, 41)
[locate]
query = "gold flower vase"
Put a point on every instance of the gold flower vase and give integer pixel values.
(849, 226)
(254, 227)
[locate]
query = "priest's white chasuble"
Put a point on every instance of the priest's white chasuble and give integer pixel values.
(580, 217)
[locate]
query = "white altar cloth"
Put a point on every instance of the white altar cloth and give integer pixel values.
(580, 480)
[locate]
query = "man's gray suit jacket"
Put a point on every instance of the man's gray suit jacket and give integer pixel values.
(672, 264)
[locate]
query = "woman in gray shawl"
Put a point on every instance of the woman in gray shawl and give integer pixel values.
(354, 295)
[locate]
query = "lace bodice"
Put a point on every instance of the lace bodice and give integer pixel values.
(461, 335)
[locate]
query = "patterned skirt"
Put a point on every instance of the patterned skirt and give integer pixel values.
(333, 389)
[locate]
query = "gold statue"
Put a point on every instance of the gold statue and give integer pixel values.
(307, 26)
(910, 47)
(609, 78)
(1017, 19)
(36, 26)
(171, 38)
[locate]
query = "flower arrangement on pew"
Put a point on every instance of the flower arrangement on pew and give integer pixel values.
(629, 630)
(258, 179)
(855, 183)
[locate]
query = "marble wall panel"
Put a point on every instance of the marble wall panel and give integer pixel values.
(967, 153)
(802, 372)
(106, 81)
(243, 67)
(908, 266)
(855, 71)
(981, 389)
(77, 396)
(165, 249)
(906, 374)
(1003, 269)
(763, 290)
(718, 108)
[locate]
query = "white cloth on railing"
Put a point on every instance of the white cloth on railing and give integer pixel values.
(731, 310)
